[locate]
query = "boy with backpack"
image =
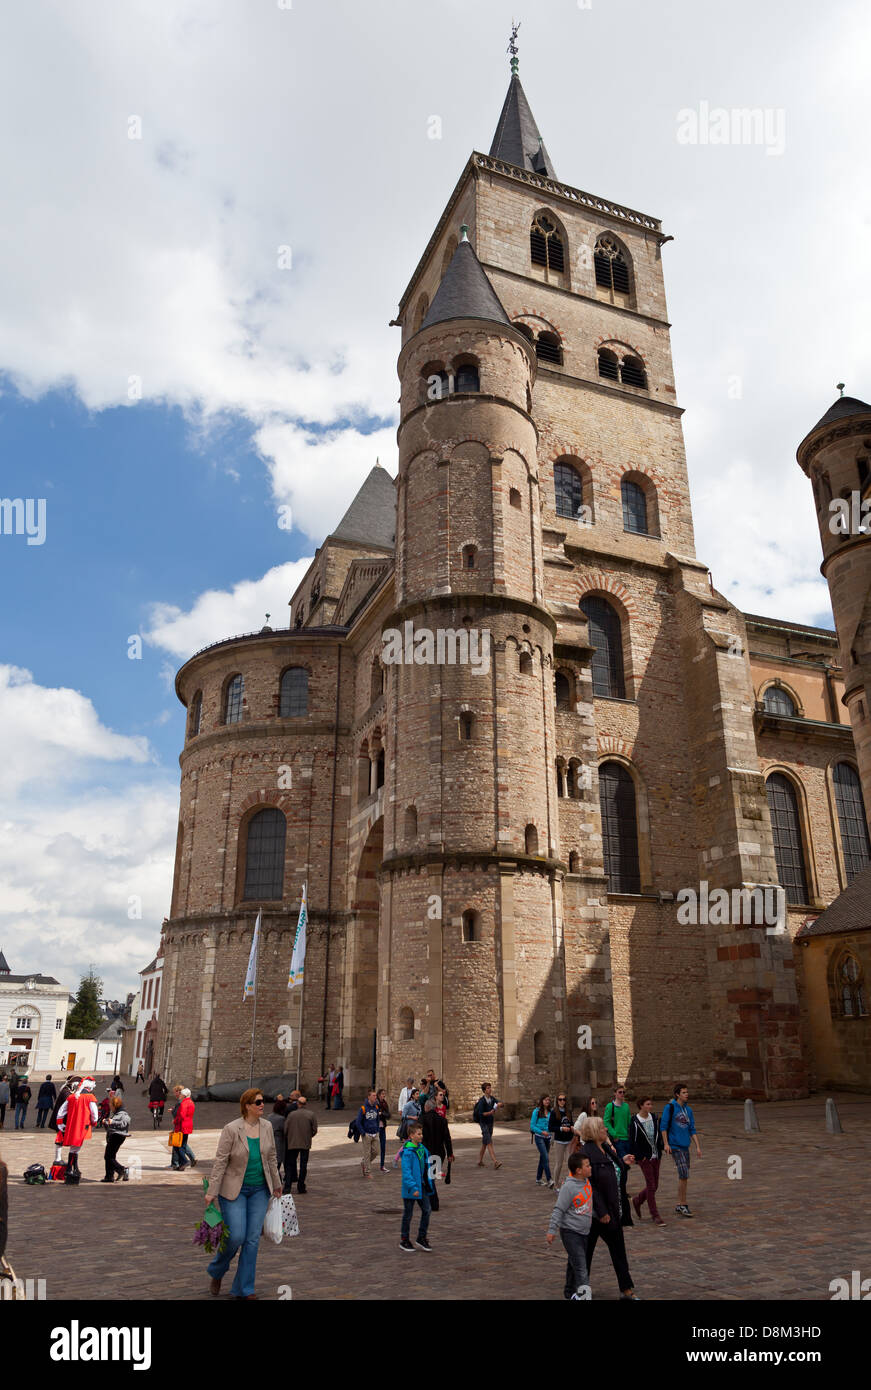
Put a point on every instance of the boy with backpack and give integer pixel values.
(369, 1123)
(572, 1217)
(415, 1188)
(678, 1127)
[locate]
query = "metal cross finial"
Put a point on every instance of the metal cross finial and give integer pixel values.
(512, 47)
(839, 386)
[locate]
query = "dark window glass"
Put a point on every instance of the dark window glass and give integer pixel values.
(562, 690)
(606, 639)
(264, 856)
(777, 701)
(233, 700)
(633, 373)
(786, 827)
(196, 713)
(634, 507)
(293, 697)
(608, 365)
(619, 828)
(467, 379)
(851, 818)
(850, 987)
(568, 489)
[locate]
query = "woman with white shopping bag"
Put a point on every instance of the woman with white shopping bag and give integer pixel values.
(243, 1175)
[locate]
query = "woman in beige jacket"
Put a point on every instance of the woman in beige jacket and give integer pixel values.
(244, 1174)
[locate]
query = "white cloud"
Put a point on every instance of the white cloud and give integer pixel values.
(220, 613)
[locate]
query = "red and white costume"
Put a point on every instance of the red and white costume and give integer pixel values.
(77, 1114)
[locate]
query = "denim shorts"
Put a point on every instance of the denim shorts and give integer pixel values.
(487, 1134)
(681, 1161)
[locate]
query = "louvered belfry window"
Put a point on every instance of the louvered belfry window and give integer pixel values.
(546, 245)
(264, 856)
(548, 348)
(632, 373)
(786, 828)
(608, 367)
(612, 272)
(634, 507)
(568, 489)
(619, 828)
(606, 639)
(851, 818)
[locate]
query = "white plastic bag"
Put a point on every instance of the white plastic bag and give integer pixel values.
(272, 1222)
(289, 1218)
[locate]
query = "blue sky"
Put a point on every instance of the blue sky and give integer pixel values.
(268, 384)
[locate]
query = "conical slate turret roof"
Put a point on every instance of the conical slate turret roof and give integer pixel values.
(4, 965)
(371, 517)
(844, 405)
(465, 292)
(517, 139)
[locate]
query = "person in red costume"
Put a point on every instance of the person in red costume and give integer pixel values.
(75, 1117)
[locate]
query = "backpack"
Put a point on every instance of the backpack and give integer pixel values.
(665, 1124)
(34, 1175)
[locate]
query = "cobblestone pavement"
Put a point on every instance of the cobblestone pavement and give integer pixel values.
(799, 1217)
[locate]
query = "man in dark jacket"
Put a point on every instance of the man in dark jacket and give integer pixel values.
(605, 1164)
(45, 1100)
(300, 1128)
(22, 1100)
(436, 1134)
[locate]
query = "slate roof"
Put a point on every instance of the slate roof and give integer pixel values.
(851, 910)
(843, 407)
(371, 517)
(21, 979)
(4, 964)
(517, 139)
(465, 292)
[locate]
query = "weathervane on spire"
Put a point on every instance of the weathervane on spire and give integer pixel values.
(512, 48)
(840, 387)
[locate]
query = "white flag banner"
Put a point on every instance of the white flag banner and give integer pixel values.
(297, 960)
(251, 973)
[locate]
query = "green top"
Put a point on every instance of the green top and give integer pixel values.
(254, 1174)
(617, 1121)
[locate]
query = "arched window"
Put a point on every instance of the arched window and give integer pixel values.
(560, 773)
(546, 244)
(467, 725)
(420, 313)
(196, 714)
(633, 373)
(562, 689)
(608, 367)
(405, 1027)
(634, 507)
(438, 384)
(293, 693)
(849, 983)
(525, 329)
(574, 862)
(606, 639)
(609, 263)
(548, 348)
(778, 701)
(851, 818)
(786, 828)
(531, 839)
(467, 378)
(619, 828)
(568, 489)
(471, 926)
(299, 616)
(410, 826)
(315, 595)
(525, 664)
(470, 553)
(376, 681)
(264, 855)
(364, 766)
(571, 781)
(514, 497)
(539, 1050)
(379, 770)
(234, 694)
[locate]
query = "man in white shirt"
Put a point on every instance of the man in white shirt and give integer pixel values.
(405, 1094)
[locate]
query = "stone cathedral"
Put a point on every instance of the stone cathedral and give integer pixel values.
(511, 719)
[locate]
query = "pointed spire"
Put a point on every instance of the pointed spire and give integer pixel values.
(465, 292)
(518, 139)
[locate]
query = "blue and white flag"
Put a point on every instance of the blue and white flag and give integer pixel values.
(251, 973)
(297, 960)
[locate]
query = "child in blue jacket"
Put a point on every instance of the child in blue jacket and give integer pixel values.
(539, 1128)
(415, 1188)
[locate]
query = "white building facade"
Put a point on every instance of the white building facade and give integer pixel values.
(33, 1013)
(146, 1020)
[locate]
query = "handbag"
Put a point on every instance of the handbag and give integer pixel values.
(176, 1139)
(433, 1198)
(289, 1218)
(272, 1223)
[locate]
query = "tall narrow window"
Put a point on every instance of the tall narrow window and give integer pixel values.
(233, 697)
(606, 639)
(196, 713)
(539, 1049)
(568, 490)
(293, 693)
(546, 245)
(634, 507)
(619, 828)
(264, 856)
(850, 987)
(406, 1025)
(471, 926)
(467, 724)
(410, 827)
(786, 828)
(851, 818)
(777, 701)
(609, 262)
(531, 840)
(562, 691)
(525, 664)
(608, 364)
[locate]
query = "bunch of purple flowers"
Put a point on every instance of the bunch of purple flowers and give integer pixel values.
(211, 1238)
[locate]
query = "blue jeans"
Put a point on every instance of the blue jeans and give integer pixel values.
(576, 1269)
(543, 1146)
(182, 1156)
(243, 1217)
(20, 1112)
(407, 1212)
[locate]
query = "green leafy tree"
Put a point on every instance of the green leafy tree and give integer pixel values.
(84, 1018)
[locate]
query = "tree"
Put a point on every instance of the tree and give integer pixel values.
(85, 1017)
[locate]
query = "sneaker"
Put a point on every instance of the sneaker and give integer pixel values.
(423, 1244)
(550, 1182)
(630, 1297)
(538, 1182)
(682, 1211)
(406, 1245)
(193, 1163)
(658, 1221)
